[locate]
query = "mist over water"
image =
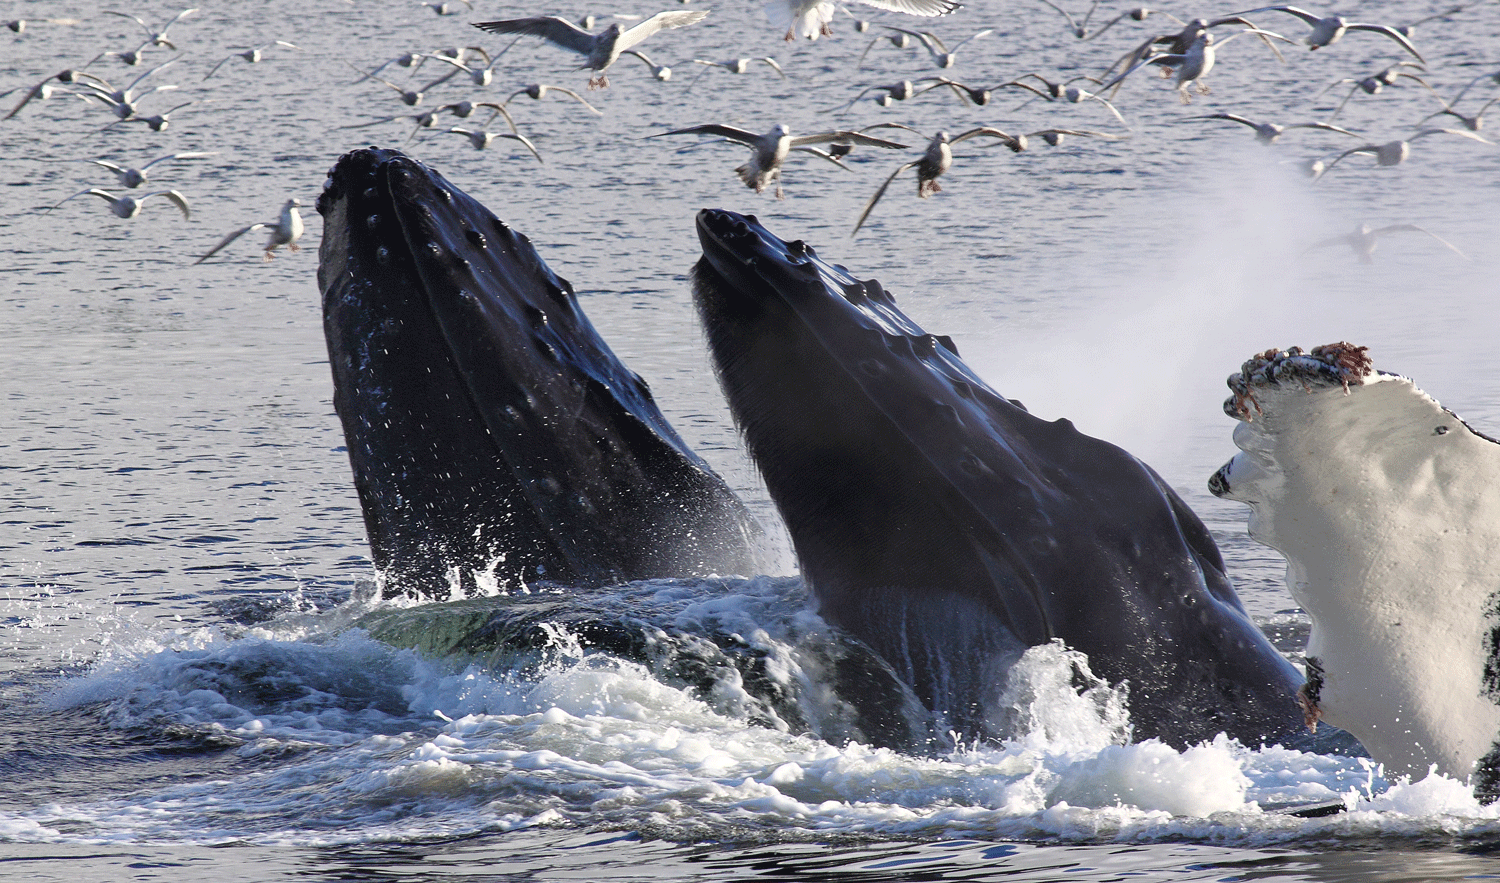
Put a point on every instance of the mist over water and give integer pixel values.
(172, 473)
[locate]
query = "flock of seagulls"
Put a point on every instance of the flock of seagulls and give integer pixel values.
(1185, 55)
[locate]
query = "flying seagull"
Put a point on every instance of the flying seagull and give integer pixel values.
(129, 206)
(1267, 133)
(1326, 30)
(285, 231)
(811, 18)
(601, 49)
(134, 178)
(769, 150)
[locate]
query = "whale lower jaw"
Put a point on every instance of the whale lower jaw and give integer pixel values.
(495, 440)
(1384, 504)
(949, 529)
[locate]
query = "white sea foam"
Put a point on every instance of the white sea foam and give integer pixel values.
(337, 738)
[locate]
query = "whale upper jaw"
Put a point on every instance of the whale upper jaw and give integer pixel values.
(494, 437)
(948, 528)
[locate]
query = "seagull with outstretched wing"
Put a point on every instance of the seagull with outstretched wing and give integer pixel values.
(602, 49)
(768, 151)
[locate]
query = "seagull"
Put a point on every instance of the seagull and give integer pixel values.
(19, 25)
(123, 101)
(482, 76)
(935, 160)
(1326, 30)
(738, 66)
(1362, 240)
(480, 140)
(1079, 29)
(1193, 65)
(900, 40)
(969, 94)
(538, 91)
(134, 178)
(252, 55)
(155, 38)
(428, 119)
(1181, 41)
(941, 56)
(893, 93)
(158, 122)
(601, 49)
(1394, 153)
(1267, 133)
(410, 97)
(448, 8)
(659, 71)
(1064, 92)
(286, 230)
(1472, 123)
(812, 18)
(1374, 83)
(43, 90)
(129, 206)
(769, 150)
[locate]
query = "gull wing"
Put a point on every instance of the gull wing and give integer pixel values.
(658, 22)
(926, 8)
(718, 131)
(1389, 32)
(230, 238)
(551, 28)
(853, 137)
(177, 199)
(1395, 228)
(194, 154)
(869, 206)
(1308, 17)
(983, 131)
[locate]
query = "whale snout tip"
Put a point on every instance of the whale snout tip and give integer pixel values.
(1218, 483)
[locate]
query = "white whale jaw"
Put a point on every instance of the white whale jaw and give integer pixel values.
(1387, 508)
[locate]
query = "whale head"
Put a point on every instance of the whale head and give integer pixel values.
(950, 529)
(493, 435)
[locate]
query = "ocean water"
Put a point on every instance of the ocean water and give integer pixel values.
(189, 686)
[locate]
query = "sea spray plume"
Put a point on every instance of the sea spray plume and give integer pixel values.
(1385, 505)
(949, 529)
(494, 437)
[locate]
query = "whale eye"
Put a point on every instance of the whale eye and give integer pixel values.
(1441, 430)
(537, 318)
(475, 238)
(445, 195)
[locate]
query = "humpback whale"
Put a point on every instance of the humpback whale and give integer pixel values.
(950, 529)
(494, 437)
(496, 441)
(1384, 504)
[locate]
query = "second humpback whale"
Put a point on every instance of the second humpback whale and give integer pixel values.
(493, 436)
(950, 529)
